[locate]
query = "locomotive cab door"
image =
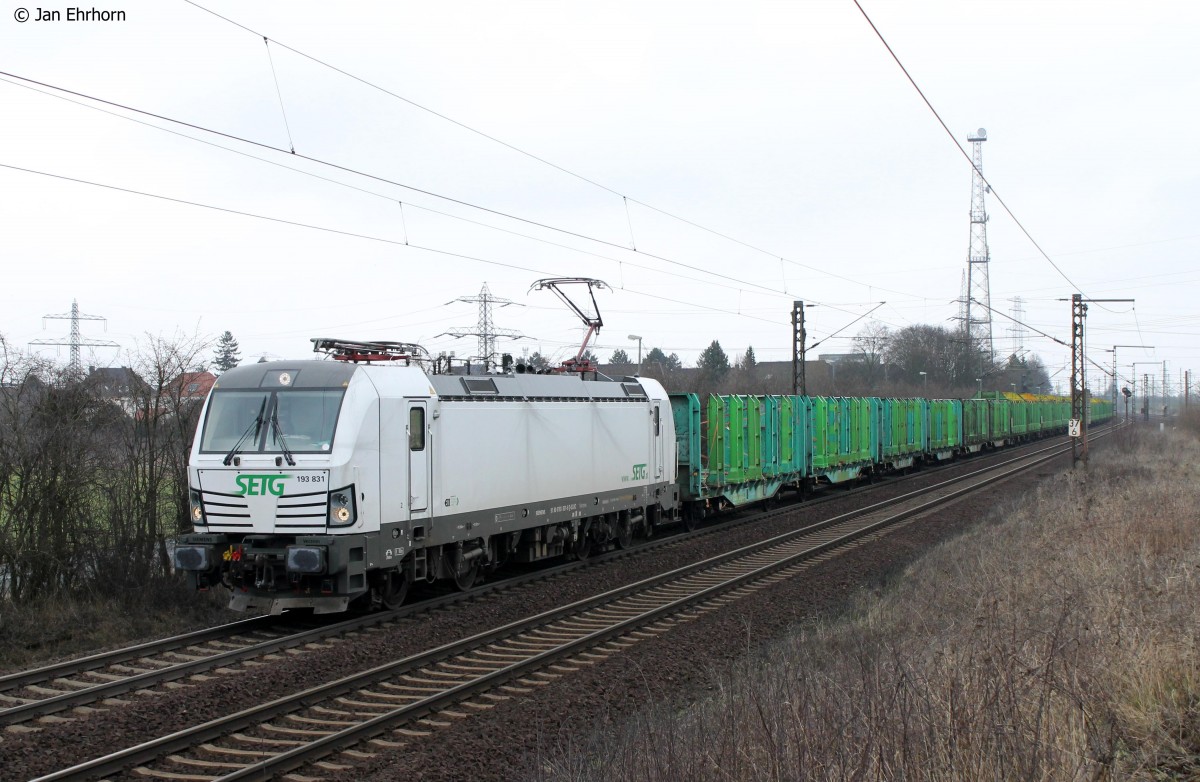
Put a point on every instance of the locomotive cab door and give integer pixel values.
(418, 460)
(657, 446)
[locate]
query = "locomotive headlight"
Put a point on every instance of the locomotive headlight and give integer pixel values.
(194, 557)
(306, 559)
(197, 507)
(342, 511)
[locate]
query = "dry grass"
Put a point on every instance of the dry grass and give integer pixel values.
(1057, 643)
(35, 633)
(1189, 419)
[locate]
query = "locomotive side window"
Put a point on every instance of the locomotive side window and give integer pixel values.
(657, 431)
(416, 429)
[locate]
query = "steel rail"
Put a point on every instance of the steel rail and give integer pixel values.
(16, 680)
(270, 768)
(78, 665)
(100, 691)
(148, 751)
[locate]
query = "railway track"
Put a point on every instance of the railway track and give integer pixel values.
(397, 704)
(101, 679)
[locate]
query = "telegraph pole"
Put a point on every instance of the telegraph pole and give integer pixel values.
(798, 339)
(1079, 403)
(1078, 381)
(1116, 376)
(1165, 403)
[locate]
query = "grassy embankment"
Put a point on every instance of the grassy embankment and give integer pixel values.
(1058, 641)
(46, 630)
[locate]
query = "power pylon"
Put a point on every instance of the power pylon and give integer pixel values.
(977, 322)
(76, 340)
(485, 330)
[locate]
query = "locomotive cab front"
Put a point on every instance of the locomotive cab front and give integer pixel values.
(276, 481)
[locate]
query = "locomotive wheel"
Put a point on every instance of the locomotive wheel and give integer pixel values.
(395, 589)
(624, 533)
(465, 573)
(582, 548)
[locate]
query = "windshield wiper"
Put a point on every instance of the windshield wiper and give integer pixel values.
(287, 453)
(255, 426)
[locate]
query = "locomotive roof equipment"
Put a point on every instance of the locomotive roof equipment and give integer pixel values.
(593, 322)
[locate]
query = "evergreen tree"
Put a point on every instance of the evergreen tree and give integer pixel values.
(620, 358)
(748, 362)
(227, 355)
(657, 359)
(713, 362)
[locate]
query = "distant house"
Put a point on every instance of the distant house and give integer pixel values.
(119, 385)
(192, 385)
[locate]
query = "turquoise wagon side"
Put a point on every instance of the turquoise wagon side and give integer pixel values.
(738, 449)
(945, 427)
(977, 423)
(844, 438)
(901, 432)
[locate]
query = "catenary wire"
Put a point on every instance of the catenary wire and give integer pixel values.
(532, 156)
(368, 237)
(431, 210)
(358, 172)
(959, 147)
(383, 196)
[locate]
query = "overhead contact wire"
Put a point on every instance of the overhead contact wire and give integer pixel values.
(355, 235)
(963, 151)
(365, 191)
(531, 155)
(394, 183)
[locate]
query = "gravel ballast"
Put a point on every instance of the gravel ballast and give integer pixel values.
(674, 667)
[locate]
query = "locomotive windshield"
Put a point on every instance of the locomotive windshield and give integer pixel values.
(296, 420)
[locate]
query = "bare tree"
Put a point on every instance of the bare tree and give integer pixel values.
(871, 343)
(91, 482)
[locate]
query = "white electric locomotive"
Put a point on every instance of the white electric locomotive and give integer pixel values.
(317, 484)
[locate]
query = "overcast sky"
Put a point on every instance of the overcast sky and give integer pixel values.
(801, 161)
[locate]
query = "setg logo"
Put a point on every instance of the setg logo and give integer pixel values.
(258, 485)
(639, 472)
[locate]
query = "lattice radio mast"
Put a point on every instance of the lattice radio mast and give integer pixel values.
(977, 321)
(485, 330)
(76, 339)
(1017, 332)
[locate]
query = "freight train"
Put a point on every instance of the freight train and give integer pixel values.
(327, 484)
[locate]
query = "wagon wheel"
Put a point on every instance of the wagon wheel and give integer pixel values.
(464, 572)
(394, 589)
(624, 533)
(582, 548)
(692, 514)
